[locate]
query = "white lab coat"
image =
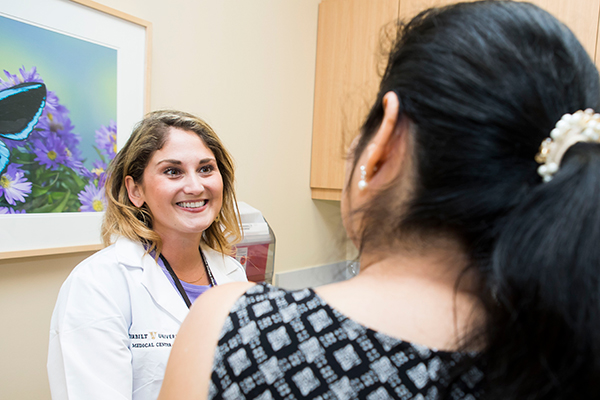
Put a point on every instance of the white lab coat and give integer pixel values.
(114, 322)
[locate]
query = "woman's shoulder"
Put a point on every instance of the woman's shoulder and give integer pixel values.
(232, 316)
(191, 359)
(256, 307)
(97, 286)
(265, 298)
(265, 319)
(109, 262)
(261, 298)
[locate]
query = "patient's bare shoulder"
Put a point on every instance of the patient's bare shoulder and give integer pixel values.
(190, 363)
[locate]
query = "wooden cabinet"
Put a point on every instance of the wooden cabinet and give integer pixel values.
(348, 53)
(351, 46)
(580, 16)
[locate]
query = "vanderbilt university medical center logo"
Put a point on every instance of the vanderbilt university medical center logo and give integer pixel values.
(151, 339)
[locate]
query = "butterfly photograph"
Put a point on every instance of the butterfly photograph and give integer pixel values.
(70, 96)
(20, 109)
(57, 120)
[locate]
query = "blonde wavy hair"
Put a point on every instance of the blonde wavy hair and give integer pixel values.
(122, 218)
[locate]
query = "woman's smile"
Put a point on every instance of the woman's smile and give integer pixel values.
(192, 204)
(182, 186)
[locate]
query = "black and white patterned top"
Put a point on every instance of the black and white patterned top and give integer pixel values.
(279, 344)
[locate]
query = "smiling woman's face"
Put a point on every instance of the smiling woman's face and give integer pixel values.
(182, 186)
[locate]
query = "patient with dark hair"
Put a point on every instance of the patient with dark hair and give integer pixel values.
(473, 196)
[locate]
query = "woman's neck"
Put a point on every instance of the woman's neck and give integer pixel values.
(184, 257)
(426, 297)
(442, 262)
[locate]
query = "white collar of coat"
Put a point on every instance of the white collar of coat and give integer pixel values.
(132, 254)
(129, 252)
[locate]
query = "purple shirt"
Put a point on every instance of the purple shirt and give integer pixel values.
(192, 291)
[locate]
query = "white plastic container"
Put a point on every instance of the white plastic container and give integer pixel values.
(257, 249)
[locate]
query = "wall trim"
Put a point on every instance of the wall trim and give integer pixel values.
(313, 276)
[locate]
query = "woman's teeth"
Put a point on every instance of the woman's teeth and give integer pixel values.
(192, 204)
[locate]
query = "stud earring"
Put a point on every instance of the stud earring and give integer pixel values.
(362, 184)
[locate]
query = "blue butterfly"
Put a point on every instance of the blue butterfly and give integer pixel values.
(20, 109)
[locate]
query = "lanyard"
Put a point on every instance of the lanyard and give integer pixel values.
(178, 282)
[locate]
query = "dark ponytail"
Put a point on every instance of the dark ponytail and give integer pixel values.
(484, 83)
(544, 332)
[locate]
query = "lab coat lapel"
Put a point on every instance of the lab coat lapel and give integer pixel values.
(161, 290)
(132, 254)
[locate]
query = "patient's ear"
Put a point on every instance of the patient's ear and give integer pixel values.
(388, 148)
(134, 192)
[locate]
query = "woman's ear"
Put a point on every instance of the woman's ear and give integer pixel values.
(134, 192)
(387, 149)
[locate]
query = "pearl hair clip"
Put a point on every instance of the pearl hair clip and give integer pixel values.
(582, 126)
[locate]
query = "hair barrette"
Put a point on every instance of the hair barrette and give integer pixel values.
(581, 126)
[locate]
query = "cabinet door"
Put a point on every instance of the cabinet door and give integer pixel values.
(580, 16)
(410, 8)
(350, 36)
(350, 62)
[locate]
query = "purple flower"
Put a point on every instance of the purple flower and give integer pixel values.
(99, 172)
(92, 199)
(26, 76)
(72, 158)
(106, 139)
(11, 81)
(83, 171)
(78, 167)
(7, 210)
(14, 185)
(53, 104)
(13, 144)
(99, 168)
(31, 75)
(56, 121)
(60, 124)
(51, 152)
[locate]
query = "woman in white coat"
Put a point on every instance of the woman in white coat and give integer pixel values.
(171, 218)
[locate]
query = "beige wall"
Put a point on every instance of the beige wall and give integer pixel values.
(247, 67)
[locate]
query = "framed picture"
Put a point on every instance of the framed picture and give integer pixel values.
(80, 73)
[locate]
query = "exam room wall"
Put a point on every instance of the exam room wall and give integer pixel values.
(247, 67)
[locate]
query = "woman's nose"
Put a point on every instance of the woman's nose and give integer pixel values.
(193, 184)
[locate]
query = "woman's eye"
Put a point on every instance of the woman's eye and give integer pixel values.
(207, 169)
(172, 172)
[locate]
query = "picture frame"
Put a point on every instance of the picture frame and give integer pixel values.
(35, 234)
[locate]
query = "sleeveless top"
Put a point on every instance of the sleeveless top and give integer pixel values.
(280, 344)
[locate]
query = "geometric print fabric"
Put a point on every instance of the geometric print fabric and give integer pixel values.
(280, 344)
